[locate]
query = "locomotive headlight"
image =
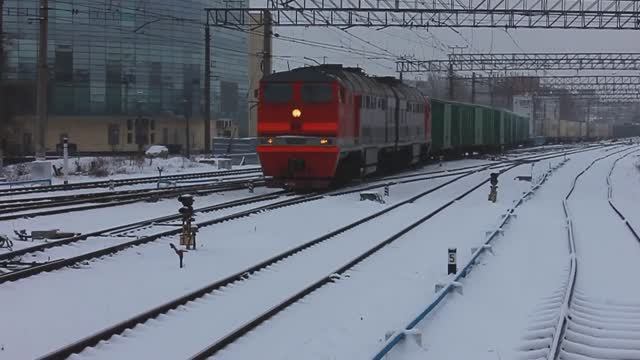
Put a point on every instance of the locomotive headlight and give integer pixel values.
(296, 113)
(270, 141)
(324, 141)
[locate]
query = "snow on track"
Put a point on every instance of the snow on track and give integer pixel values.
(137, 279)
(608, 255)
(103, 218)
(600, 326)
(238, 304)
(348, 319)
(152, 184)
(625, 180)
(529, 263)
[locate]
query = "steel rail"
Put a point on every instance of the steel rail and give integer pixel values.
(105, 334)
(124, 182)
(17, 202)
(117, 200)
(563, 319)
(61, 263)
(633, 231)
(239, 276)
(451, 172)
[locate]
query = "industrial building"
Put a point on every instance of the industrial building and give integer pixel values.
(123, 74)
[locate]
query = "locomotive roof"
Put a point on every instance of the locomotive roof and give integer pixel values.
(350, 77)
(320, 73)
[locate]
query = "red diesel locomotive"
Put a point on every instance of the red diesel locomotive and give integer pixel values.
(324, 124)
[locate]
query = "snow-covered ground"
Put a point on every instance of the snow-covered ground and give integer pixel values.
(346, 319)
(104, 218)
(625, 179)
(608, 254)
(116, 168)
(150, 273)
(144, 186)
(387, 290)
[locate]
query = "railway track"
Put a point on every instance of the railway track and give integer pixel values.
(15, 208)
(16, 267)
(263, 268)
(377, 183)
(21, 269)
(573, 326)
(18, 208)
(142, 232)
(126, 182)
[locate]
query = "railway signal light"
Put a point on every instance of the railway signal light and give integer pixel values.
(494, 179)
(187, 237)
(493, 193)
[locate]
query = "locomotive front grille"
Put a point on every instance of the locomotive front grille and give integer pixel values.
(296, 165)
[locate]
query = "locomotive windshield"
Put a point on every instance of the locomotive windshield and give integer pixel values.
(317, 93)
(277, 93)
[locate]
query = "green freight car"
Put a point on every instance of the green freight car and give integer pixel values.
(461, 127)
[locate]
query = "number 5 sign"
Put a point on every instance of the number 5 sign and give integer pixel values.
(452, 267)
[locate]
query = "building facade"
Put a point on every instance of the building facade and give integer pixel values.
(124, 74)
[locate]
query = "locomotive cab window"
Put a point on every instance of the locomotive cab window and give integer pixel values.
(277, 93)
(317, 93)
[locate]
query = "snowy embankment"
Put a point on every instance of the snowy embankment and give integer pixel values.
(110, 290)
(348, 319)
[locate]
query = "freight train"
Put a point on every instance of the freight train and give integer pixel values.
(325, 124)
(572, 131)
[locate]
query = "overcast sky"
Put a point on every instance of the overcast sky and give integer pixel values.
(381, 45)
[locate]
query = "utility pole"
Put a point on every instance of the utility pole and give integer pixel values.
(187, 115)
(586, 120)
(473, 88)
(451, 91)
(207, 88)
(266, 43)
(40, 124)
(491, 89)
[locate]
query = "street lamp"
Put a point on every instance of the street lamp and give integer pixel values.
(187, 115)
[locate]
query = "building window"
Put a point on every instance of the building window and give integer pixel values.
(129, 138)
(129, 124)
(153, 137)
(165, 136)
(152, 125)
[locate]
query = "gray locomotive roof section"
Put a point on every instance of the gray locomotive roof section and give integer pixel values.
(351, 77)
(409, 93)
